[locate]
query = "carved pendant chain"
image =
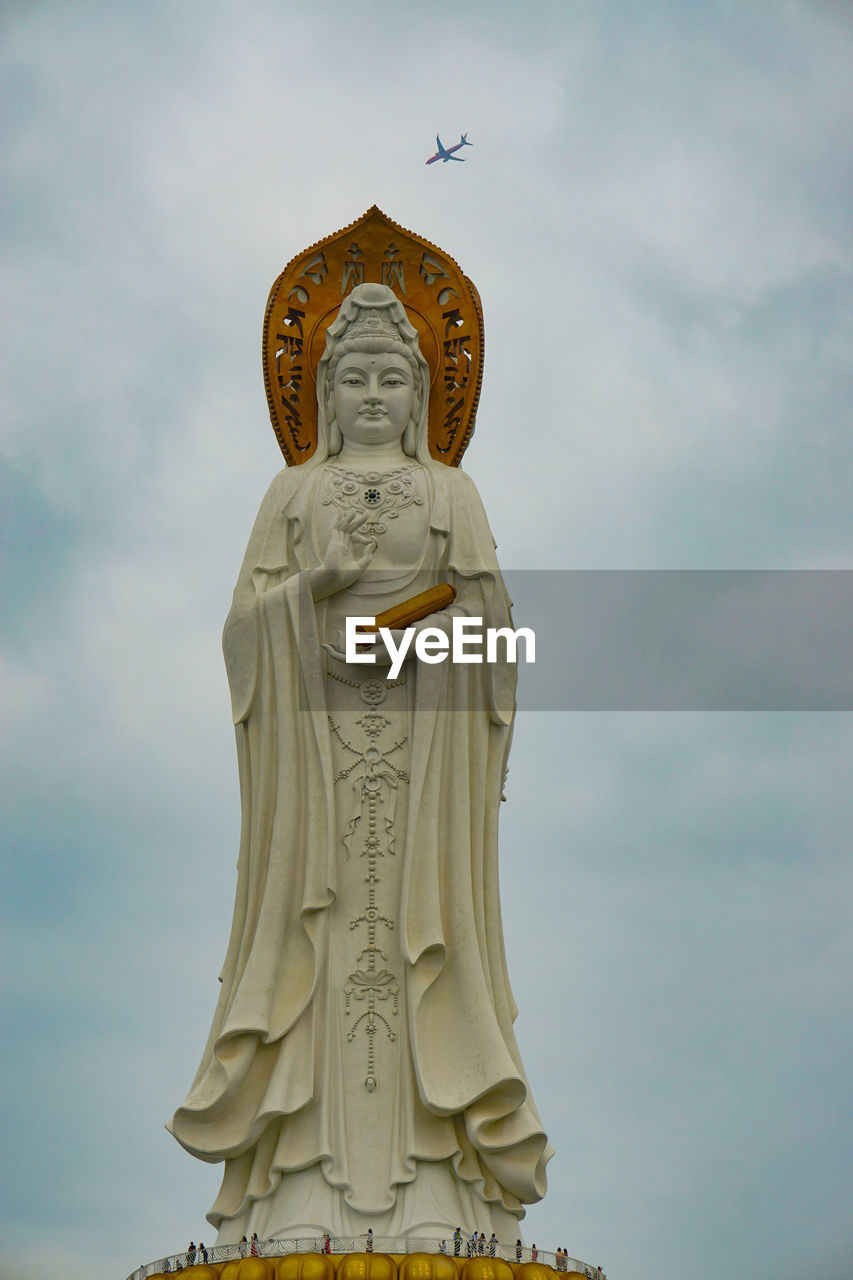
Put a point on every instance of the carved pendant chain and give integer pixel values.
(382, 494)
(372, 990)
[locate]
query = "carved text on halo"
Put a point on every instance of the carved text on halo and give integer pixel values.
(457, 364)
(392, 269)
(289, 371)
(431, 269)
(315, 269)
(353, 270)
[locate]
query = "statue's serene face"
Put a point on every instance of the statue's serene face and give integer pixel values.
(374, 396)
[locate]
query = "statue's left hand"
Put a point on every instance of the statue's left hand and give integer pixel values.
(383, 655)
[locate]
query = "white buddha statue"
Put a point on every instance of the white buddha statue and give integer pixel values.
(362, 1070)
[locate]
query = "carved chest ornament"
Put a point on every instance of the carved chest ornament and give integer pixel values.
(382, 494)
(440, 301)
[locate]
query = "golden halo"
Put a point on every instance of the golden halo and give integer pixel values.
(440, 302)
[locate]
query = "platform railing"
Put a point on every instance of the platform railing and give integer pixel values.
(467, 1248)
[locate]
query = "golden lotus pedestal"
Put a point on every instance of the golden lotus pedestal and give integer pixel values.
(373, 1266)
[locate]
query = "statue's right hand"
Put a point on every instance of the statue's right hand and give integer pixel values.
(347, 555)
(348, 551)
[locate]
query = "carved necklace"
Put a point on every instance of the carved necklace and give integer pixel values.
(382, 494)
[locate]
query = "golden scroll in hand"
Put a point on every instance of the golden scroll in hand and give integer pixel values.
(413, 610)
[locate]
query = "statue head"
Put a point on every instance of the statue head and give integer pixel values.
(371, 320)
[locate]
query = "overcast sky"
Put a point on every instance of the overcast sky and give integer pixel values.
(657, 213)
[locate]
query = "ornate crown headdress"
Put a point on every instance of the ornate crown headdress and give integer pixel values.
(373, 322)
(440, 302)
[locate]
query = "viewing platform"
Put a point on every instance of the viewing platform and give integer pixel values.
(342, 1258)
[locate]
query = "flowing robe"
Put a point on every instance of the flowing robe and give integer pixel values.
(266, 1096)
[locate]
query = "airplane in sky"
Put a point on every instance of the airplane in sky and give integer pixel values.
(446, 153)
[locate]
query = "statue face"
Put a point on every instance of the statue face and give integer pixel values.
(374, 396)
